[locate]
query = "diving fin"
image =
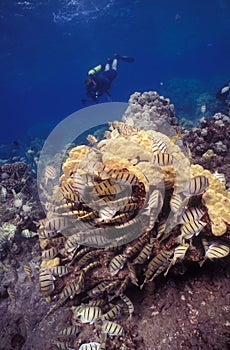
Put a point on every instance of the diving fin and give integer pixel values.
(124, 58)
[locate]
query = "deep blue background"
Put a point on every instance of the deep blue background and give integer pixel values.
(47, 47)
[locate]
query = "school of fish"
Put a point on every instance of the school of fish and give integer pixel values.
(127, 210)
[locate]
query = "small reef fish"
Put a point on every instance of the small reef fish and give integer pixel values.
(46, 281)
(225, 89)
(113, 312)
(159, 260)
(197, 185)
(28, 271)
(129, 305)
(191, 228)
(176, 137)
(175, 202)
(72, 330)
(191, 214)
(163, 159)
(220, 177)
(49, 254)
(63, 345)
(144, 254)
(116, 264)
(112, 328)
(179, 254)
(89, 314)
(214, 251)
(217, 251)
(203, 108)
(50, 173)
(11, 294)
(59, 271)
(161, 145)
(58, 223)
(92, 139)
(27, 323)
(90, 346)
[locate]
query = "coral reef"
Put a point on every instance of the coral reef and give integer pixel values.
(19, 207)
(127, 210)
(209, 143)
(148, 111)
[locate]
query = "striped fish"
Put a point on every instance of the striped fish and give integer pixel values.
(91, 266)
(117, 204)
(95, 238)
(129, 305)
(129, 207)
(58, 240)
(191, 228)
(11, 294)
(28, 271)
(43, 234)
(144, 254)
(63, 345)
(14, 272)
(217, 251)
(160, 269)
(191, 214)
(175, 202)
(113, 312)
(119, 219)
(116, 264)
(155, 263)
(59, 271)
(90, 346)
(109, 187)
(50, 173)
(122, 176)
(155, 148)
(92, 254)
(72, 330)
(27, 323)
(179, 254)
(92, 139)
(112, 328)
(58, 223)
(123, 286)
(98, 302)
(198, 185)
(161, 145)
(161, 229)
(67, 191)
(155, 200)
(132, 274)
(220, 177)
(46, 281)
(89, 314)
(72, 243)
(101, 287)
(70, 291)
(106, 213)
(81, 182)
(49, 254)
(163, 159)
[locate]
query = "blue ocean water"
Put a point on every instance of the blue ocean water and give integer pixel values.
(181, 49)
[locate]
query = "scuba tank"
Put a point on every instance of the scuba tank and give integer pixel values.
(95, 70)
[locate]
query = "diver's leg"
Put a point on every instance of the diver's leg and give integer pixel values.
(107, 67)
(114, 64)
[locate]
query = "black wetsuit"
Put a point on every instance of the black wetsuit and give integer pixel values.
(102, 83)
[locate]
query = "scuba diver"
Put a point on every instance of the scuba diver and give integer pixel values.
(99, 79)
(223, 96)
